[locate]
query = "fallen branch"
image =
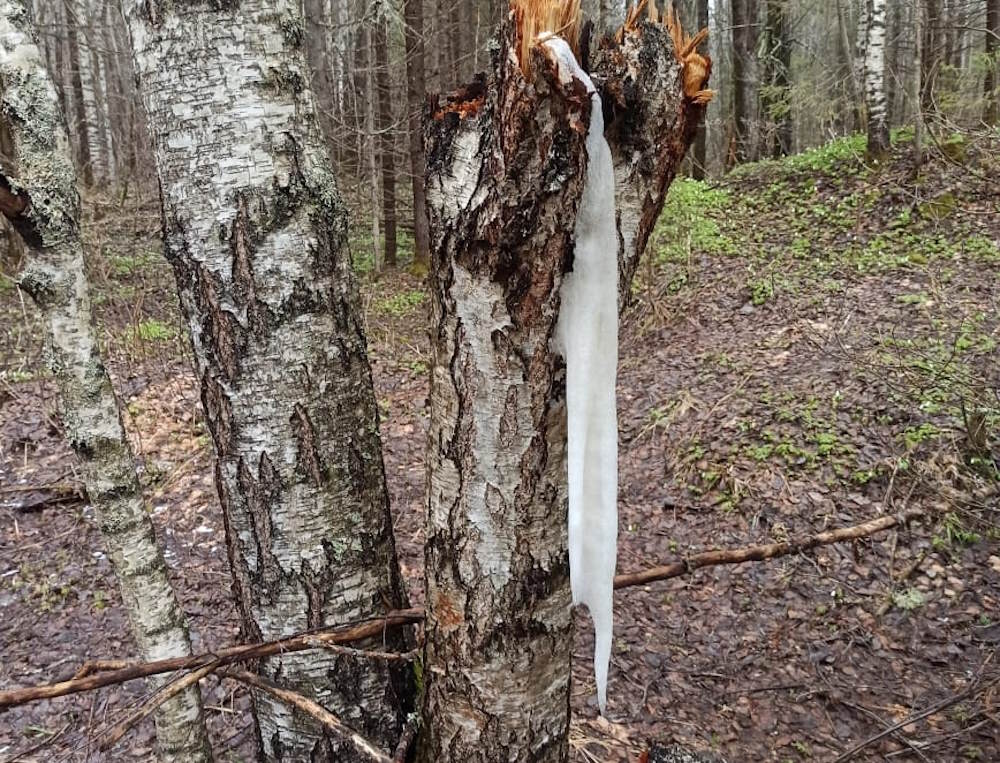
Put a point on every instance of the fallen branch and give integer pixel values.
(240, 653)
(327, 719)
(367, 629)
(172, 689)
(766, 551)
(974, 689)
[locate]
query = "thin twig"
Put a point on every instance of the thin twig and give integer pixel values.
(327, 719)
(405, 741)
(944, 704)
(228, 656)
(172, 689)
(366, 654)
(766, 551)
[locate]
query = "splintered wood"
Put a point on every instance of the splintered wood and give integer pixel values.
(533, 17)
(697, 67)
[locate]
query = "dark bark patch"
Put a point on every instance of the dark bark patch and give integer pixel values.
(243, 284)
(218, 412)
(260, 495)
(307, 460)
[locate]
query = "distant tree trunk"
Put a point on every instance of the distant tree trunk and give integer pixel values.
(416, 90)
(503, 213)
(256, 232)
(916, 90)
(81, 126)
(699, 166)
(991, 114)
(744, 17)
(372, 143)
(38, 193)
(320, 66)
(878, 123)
(853, 75)
(930, 56)
(386, 140)
(778, 65)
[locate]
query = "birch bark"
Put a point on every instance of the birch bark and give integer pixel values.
(506, 166)
(256, 232)
(39, 196)
(878, 122)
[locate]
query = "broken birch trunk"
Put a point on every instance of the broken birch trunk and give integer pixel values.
(506, 166)
(38, 194)
(256, 232)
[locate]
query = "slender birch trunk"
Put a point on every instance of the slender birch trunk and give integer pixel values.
(40, 198)
(506, 165)
(256, 232)
(878, 122)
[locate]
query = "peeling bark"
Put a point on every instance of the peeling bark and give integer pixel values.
(255, 230)
(39, 196)
(506, 167)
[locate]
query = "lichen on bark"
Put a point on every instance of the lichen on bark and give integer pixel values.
(54, 277)
(256, 233)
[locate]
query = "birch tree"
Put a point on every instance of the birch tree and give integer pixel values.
(38, 194)
(878, 122)
(506, 171)
(256, 233)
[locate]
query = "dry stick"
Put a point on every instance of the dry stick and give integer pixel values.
(227, 656)
(405, 741)
(766, 551)
(369, 628)
(311, 708)
(165, 693)
(969, 691)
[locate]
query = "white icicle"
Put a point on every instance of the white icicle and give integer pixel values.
(587, 334)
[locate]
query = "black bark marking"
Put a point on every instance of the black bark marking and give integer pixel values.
(307, 459)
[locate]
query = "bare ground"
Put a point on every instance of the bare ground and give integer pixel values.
(810, 346)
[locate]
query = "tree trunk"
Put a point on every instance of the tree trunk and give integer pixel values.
(991, 113)
(878, 123)
(853, 79)
(699, 167)
(744, 17)
(916, 89)
(39, 195)
(503, 214)
(778, 64)
(81, 126)
(930, 56)
(386, 142)
(256, 232)
(416, 90)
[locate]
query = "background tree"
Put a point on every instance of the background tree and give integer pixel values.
(878, 121)
(991, 113)
(38, 194)
(746, 133)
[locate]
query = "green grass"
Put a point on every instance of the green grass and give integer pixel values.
(152, 330)
(401, 304)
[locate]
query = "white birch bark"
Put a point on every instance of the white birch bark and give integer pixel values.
(256, 232)
(43, 204)
(878, 122)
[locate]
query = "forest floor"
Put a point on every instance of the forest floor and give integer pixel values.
(812, 344)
